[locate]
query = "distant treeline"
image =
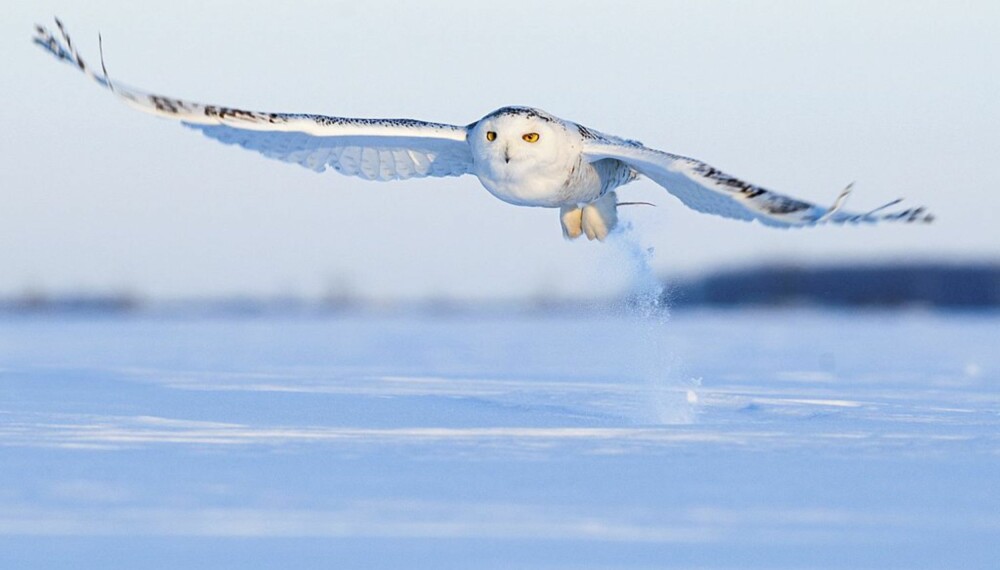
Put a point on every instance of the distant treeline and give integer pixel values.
(970, 285)
(929, 284)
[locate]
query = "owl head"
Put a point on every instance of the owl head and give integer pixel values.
(513, 140)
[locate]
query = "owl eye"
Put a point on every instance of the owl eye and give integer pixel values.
(530, 137)
(491, 136)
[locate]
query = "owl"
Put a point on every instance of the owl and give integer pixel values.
(521, 155)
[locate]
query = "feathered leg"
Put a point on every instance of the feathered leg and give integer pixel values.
(571, 218)
(600, 217)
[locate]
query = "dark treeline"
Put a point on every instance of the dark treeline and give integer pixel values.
(929, 284)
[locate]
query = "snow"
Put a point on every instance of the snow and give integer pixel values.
(706, 439)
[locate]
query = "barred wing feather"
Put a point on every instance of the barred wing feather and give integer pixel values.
(375, 149)
(707, 189)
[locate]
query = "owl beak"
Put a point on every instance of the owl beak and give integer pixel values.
(506, 154)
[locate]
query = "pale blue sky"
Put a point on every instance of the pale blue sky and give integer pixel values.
(801, 97)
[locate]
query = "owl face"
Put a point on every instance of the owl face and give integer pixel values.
(523, 155)
(515, 140)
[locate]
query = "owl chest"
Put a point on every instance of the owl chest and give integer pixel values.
(550, 186)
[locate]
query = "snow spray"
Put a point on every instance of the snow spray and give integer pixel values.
(666, 398)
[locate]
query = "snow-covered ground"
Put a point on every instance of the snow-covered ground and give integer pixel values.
(736, 439)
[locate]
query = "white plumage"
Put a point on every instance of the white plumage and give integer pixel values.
(521, 155)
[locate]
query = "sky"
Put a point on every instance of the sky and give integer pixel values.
(804, 98)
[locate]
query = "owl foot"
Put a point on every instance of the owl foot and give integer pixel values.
(571, 218)
(595, 219)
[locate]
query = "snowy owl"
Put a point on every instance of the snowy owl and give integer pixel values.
(521, 155)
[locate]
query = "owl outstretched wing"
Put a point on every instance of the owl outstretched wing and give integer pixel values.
(374, 149)
(707, 189)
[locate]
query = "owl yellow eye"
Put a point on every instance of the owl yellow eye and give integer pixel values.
(491, 136)
(530, 137)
